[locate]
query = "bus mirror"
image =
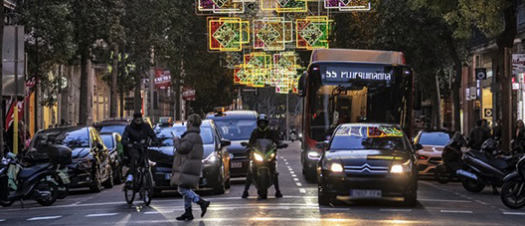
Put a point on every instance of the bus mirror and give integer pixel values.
(417, 100)
(301, 86)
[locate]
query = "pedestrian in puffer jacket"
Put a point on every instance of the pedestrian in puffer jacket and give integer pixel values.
(187, 166)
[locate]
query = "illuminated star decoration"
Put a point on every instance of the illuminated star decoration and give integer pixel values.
(220, 6)
(284, 6)
(227, 34)
(312, 32)
(348, 5)
(285, 73)
(272, 34)
(257, 66)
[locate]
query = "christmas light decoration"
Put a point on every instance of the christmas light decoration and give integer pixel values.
(272, 34)
(312, 32)
(284, 6)
(220, 6)
(228, 34)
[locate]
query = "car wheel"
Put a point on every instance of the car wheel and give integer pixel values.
(96, 185)
(442, 174)
(109, 182)
(219, 187)
(228, 184)
(117, 175)
(324, 199)
(411, 198)
(309, 176)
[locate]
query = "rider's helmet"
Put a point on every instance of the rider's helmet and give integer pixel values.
(262, 122)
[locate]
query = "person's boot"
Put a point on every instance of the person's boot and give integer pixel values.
(186, 216)
(245, 194)
(278, 193)
(204, 206)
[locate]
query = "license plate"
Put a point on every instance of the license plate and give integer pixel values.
(167, 176)
(365, 193)
(236, 164)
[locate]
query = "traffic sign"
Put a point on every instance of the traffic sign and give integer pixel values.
(481, 73)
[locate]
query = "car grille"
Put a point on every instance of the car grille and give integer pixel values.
(366, 169)
(435, 160)
(240, 156)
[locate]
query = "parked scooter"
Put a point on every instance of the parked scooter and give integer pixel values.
(513, 190)
(263, 164)
(486, 167)
(60, 178)
(452, 162)
(19, 183)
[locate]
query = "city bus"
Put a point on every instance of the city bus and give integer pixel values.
(349, 86)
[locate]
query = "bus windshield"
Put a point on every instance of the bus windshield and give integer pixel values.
(350, 93)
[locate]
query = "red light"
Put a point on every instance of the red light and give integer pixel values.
(513, 80)
(422, 157)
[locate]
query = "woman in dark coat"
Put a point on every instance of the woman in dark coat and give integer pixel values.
(187, 166)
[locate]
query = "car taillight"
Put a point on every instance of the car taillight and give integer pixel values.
(422, 157)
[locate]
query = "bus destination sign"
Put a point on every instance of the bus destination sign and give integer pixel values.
(331, 73)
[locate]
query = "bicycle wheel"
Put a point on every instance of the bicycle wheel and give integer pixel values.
(129, 191)
(147, 187)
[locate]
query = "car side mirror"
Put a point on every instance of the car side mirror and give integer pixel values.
(245, 144)
(281, 146)
(225, 143)
(418, 147)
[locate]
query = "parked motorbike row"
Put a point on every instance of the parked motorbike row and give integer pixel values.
(489, 166)
(44, 182)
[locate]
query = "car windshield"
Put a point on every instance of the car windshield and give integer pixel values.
(113, 129)
(72, 138)
(233, 129)
(363, 137)
(165, 136)
(434, 138)
(108, 140)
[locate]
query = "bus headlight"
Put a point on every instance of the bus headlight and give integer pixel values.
(258, 157)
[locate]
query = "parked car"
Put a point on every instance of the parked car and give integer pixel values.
(367, 161)
(116, 125)
(91, 165)
(116, 152)
(430, 145)
(216, 159)
(236, 126)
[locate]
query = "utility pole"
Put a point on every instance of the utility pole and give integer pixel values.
(287, 118)
(177, 84)
(15, 114)
(152, 85)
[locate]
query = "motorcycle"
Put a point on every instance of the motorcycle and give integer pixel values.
(486, 167)
(60, 178)
(19, 182)
(513, 190)
(452, 162)
(263, 164)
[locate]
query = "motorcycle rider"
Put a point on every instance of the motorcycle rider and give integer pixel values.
(136, 131)
(262, 132)
(478, 135)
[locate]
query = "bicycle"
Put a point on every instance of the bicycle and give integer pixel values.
(142, 179)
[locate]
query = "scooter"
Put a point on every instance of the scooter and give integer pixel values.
(19, 182)
(60, 178)
(486, 167)
(513, 190)
(452, 153)
(263, 164)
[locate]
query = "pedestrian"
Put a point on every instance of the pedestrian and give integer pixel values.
(497, 129)
(187, 166)
(478, 135)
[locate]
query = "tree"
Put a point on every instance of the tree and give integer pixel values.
(497, 20)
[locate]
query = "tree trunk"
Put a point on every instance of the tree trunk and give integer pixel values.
(437, 105)
(84, 83)
(456, 84)
(505, 43)
(114, 76)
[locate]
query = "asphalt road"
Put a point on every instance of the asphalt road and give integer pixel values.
(438, 204)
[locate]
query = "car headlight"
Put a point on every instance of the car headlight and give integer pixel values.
(401, 168)
(314, 155)
(258, 157)
(211, 158)
(336, 168)
(84, 163)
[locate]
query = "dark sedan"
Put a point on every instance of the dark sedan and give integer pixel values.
(114, 145)
(216, 159)
(91, 162)
(367, 161)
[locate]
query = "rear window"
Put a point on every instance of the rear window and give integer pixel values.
(434, 138)
(364, 137)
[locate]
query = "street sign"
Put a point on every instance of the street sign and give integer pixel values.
(518, 63)
(488, 112)
(481, 73)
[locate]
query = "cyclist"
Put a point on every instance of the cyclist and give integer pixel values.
(262, 132)
(136, 132)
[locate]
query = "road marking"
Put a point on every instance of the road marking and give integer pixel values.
(44, 218)
(286, 163)
(293, 175)
(277, 219)
(455, 211)
(296, 179)
(299, 184)
(302, 190)
(101, 214)
(443, 200)
(292, 172)
(2, 220)
(481, 202)
(396, 210)
(514, 213)
(158, 212)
